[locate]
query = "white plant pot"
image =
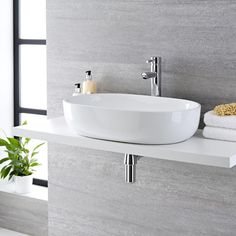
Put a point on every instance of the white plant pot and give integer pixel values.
(23, 184)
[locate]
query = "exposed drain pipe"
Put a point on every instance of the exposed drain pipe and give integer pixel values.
(130, 167)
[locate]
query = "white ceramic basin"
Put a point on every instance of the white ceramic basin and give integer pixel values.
(132, 118)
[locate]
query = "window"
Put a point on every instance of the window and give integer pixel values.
(30, 98)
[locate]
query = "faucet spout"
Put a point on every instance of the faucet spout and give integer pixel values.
(149, 75)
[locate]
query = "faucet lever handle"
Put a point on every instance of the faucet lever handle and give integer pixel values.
(152, 60)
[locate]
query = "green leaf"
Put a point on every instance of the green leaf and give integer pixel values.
(14, 142)
(33, 154)
(4, 159)
(39, 145)
(24, 122)
(34, 164)
(33, 160)
(14, 153)
(26, 160)
(5, 172)
(12, 173)
(26, 141)
(3, 142)
(2, 171)
(25, 150)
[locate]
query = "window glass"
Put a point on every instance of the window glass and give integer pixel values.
(32, 19)
(33, 83)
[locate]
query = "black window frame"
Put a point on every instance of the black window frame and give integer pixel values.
(16, 71)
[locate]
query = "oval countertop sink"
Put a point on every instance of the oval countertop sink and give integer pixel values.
(132, 118)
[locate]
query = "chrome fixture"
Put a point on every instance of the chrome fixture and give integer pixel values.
(154, 75)
(130, 167)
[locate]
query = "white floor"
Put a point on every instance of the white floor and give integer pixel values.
(5, 232)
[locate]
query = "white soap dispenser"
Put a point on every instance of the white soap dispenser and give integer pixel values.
(89, 86)
(77, 90)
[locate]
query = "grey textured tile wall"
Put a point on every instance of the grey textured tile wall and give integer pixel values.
(88, 197)
(196, 39)
(23, 214)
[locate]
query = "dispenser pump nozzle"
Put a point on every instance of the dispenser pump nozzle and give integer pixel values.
(88, 74)
(77, 85)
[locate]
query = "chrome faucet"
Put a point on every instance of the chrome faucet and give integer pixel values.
(154, 75)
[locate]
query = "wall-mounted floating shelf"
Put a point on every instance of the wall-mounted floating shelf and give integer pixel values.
(197, 150)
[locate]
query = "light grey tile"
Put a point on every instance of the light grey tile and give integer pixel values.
(23, 214)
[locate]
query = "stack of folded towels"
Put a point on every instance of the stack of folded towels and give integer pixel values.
(221, 123)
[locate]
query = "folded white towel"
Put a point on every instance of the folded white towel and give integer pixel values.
(219, 133)
(210, 119)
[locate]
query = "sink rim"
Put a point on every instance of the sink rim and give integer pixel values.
(74, 101)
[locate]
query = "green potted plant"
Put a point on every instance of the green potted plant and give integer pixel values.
(19, 162)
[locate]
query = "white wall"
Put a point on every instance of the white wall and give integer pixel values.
(6, 68)
(6, 65)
